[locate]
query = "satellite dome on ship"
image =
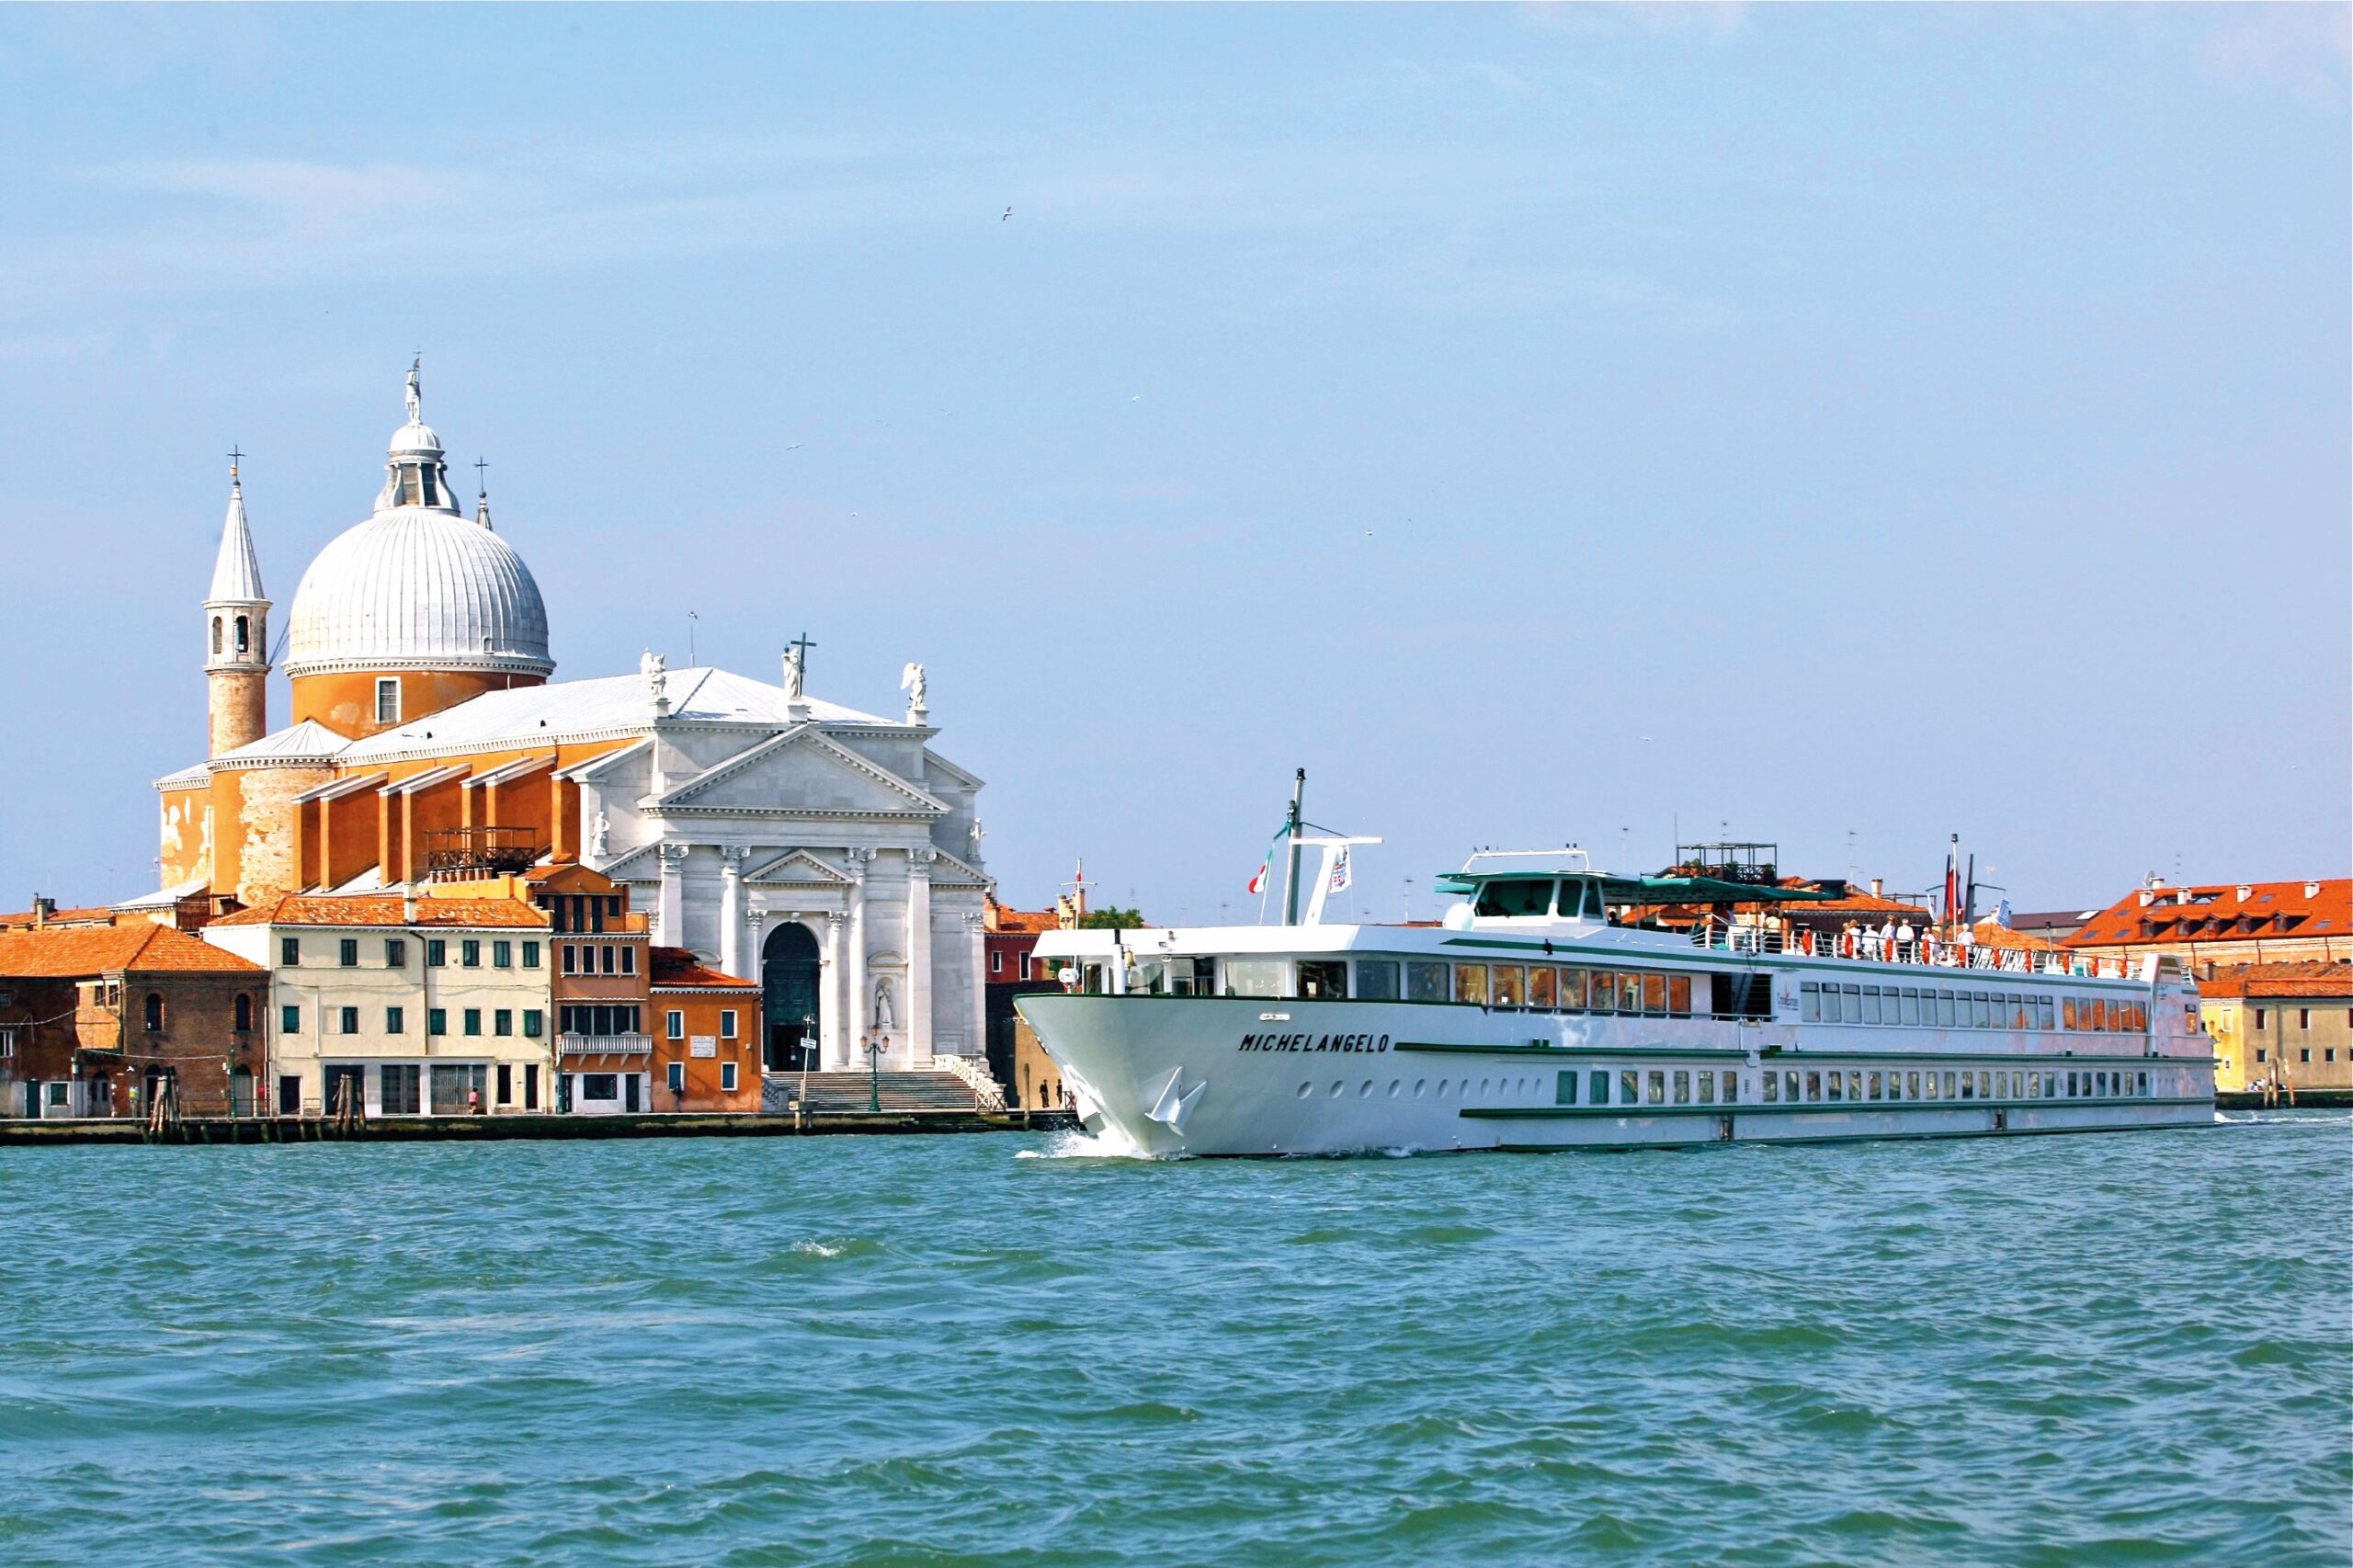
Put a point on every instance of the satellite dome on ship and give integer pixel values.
(419, 585)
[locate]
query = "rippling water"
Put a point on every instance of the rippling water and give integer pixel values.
(2128, 1348)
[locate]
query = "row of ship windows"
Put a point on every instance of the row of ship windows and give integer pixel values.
(1811, 1086)
(1535, 987)
(1931, 1007)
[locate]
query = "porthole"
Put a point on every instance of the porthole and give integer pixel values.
(1483, 1088)
(1364, 1093)
(1305, 1090)
(1336, 1087)
(1419, 1085)
(1444, 1088)
(1394, 1086)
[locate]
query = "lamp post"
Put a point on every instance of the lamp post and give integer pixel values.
(875, 1046)
(808, 1033)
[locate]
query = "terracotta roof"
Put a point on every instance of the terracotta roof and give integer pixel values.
(23, 921)
(137, 945)
(2217, 912)
(387, 909)
(1993, 934)
(2326, 978)
(675, 969)
(1017, 922)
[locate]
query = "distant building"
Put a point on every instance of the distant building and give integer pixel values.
(401, 1006)
(2289, 1024)
(2214, 926)
(705, 1058)
(97, 1019)
(600, 988)
(1011, 937)
(2052, 925)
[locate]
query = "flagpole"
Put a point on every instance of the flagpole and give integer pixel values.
(1291, 860)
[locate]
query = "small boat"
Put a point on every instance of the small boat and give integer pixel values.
(1534, 1017)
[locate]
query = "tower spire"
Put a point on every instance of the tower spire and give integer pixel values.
(237, 622)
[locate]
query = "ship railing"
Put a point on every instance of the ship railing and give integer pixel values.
(1925, 951)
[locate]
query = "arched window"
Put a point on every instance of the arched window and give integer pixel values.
(245, 1012)
(244, 636)
(154, 1010)
(216, 633)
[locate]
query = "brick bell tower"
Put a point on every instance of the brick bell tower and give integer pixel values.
(236, 631)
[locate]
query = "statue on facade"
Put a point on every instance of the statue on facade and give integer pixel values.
(884, 1016)
(600, 835)
(911, 681)
(657, 678)
(793, 674)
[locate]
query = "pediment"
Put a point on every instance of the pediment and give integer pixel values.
(799, 771)
(797, 869)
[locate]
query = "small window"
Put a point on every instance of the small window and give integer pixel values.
(1809, 1003)
(437, 1020)
(1377, 980)
(675, 1024)
(1772, 1088)
(1596, 1086)
(1656, 1087)
(502, 1021)
(473, 1020)
(1514, 900)
(605, 959)
(289, 950)
(1814, 1084)
(395, 1021)
(727, 1076)
(1572, 990)
(347, 952)
(1471, 983)
(1323, 979)
(1948, 1093)
(244, 635)
(244, 1013)
(1870, 1005)
(502, 955)
(216, 633)
(1630, 1085)
(677, 1077)
(388, 699)
(395, 953)
(290, 1019)
(470, 953)
(1565, 1086)
(1837, 1086)
(347, 1021)
(997, 962)
(530, 954)
(1653, 995)
(1601, 992)
(727, 1023)
(1508, 985)
(1678, 996)
(1707, 1087)
(154, 1010)
(571, 959)
(628, 960)
(1543, 988)
(534, 1023)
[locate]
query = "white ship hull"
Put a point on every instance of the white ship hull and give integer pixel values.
(1212, 1076)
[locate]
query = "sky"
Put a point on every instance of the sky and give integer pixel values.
(1836, 428)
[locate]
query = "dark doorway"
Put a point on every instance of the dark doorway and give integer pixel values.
(628, 1093)
(788, 998)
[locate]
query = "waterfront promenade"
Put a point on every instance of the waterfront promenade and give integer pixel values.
(227, 1130)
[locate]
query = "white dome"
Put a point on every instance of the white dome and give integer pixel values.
(416, 587)
(419, 586)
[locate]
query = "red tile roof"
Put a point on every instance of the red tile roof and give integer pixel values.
(388, 909)
(676, 969)
(2330, 978)
(139, 946)
(2217, 913)
(1013, 921)
(97, 915)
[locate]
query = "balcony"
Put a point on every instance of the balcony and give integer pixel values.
(605, 1044)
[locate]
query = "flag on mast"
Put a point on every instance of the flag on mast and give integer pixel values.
(1266, 868)
(1341, 875)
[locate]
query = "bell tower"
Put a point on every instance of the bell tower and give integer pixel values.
(237, 631)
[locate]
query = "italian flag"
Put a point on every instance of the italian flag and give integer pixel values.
(1266, 867)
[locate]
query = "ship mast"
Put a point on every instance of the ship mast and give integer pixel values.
(1290, 857)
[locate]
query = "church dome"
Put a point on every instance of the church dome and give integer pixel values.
(419, 585)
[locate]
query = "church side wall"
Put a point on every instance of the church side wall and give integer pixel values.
(187, 842)
(264, 830)
(345, 701)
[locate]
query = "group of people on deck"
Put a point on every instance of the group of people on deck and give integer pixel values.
(1893, 941)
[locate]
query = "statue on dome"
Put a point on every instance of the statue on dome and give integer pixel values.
(416, 402)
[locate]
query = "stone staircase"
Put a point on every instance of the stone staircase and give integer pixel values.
(838, 1091)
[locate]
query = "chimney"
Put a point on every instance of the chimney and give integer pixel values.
(2312, 890)
(2246, 892)
(1879, 887)
(44, 910)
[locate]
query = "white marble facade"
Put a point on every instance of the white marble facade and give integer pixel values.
(728, 823)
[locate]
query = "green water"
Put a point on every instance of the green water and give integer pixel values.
(2126, 1349)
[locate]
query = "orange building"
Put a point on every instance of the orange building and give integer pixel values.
(704, 1054)
(2211, 927)
(603, 972)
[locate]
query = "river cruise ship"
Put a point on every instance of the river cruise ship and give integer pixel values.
(1534, 1017)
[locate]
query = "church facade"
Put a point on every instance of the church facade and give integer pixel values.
(830, 855)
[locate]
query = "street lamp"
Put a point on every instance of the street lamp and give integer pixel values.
(808, 1034)
(875, 1046)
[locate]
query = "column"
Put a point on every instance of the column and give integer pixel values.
(669, 921)
(919, 955)
(830, 1022)
(730, 909)
(859, 1014)
(976, 1034)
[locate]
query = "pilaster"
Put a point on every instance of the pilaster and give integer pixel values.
(669, 925)
(919, 864)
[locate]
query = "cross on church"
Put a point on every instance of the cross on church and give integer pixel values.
(482, 480)
(803, 643)
(235, 457)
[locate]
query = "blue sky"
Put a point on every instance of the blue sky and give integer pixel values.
(1836, 427)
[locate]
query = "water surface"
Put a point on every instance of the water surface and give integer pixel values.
(2125, 1348)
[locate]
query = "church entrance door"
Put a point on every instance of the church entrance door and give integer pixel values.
(790, 1000)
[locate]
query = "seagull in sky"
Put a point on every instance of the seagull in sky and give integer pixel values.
(796, 446)
(1009, 212)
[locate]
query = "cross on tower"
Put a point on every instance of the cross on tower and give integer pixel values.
(235, 457)
(482, 480)
(803, 643)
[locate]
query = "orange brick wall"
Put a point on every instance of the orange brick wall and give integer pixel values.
(702, 1008)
